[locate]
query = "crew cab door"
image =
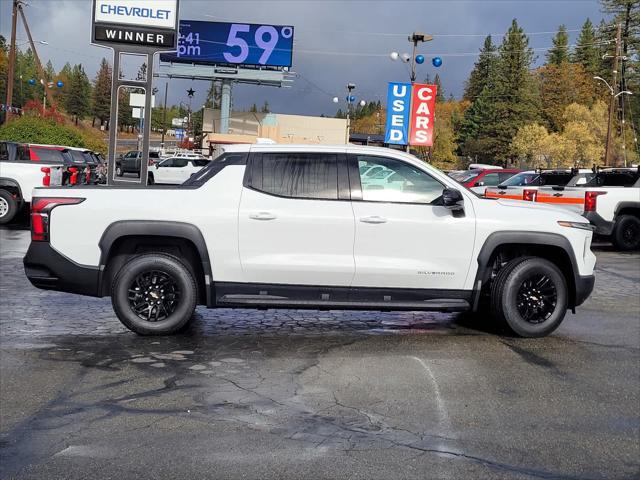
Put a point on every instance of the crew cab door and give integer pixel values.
(296, 224)
(404, 237)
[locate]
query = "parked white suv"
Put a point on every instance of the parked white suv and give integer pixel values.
(286, 226)
(175, 170)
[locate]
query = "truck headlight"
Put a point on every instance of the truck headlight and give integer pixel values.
(580, 225)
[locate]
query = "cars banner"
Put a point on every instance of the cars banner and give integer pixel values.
(423, 105)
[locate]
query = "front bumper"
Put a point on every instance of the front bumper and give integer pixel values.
(603, 227)
(584, 287)
(46, 268)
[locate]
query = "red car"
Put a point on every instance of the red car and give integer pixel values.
(478, 179)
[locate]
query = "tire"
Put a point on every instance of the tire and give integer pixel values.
(137, 276)
(119, 171)
(516, 288)
(150, 179)
(626, 233)
(8, 207)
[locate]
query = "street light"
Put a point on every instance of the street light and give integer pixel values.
(415, 38)
(351, 99)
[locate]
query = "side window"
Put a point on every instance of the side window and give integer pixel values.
(168, 162)
(180, 162)
(4, 152)
(491, 179)
(297, 175)
(397, 181)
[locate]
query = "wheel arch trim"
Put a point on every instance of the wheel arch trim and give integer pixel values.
(497, 239)
(156, 228)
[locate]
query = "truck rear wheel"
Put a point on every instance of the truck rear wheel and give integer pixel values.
(154, 294)
(8, 207)
(626, 234)
(529, 297)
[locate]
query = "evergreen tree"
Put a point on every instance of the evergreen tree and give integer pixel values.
(49, 72)
(559, 54)
(482, 70)
(265, 107)
(587, 52)
(214, 95)
(77, 101)
(142, 72)
(101, 100)
(510, 100)
(439, 90)
(254, 108)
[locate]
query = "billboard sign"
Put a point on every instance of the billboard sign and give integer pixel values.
(398, 104)
(135, 22)
(223, 43)
(423, 105)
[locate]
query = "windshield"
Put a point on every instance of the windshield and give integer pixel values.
(200, 163)
(521, 180)
(555, 178)
(464, 177)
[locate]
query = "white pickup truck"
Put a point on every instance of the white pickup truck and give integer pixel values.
(524, 185)
(609, 199)
(275, 226)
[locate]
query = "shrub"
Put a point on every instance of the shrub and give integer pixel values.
(29, 129)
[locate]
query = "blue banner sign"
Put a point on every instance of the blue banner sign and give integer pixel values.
(398, 106)
(233, 43)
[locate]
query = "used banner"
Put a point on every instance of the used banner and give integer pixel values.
(398, 104)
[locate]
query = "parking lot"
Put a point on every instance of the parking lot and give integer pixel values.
(308, 394)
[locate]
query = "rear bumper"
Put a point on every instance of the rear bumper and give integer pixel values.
(48, 269)
(603, 227)
(584, 287)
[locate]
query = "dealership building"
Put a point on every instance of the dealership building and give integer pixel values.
(248, 127)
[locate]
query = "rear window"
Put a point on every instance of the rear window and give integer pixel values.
(616, 179)
(77, 156)
(216, 166)
(555, 178)
(200, 163)
(46, 155)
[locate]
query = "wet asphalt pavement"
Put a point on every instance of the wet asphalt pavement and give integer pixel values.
(306, 394)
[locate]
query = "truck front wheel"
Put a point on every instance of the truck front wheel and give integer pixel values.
(529, 297)
(154, 294)
(626, 234)
(8, 207)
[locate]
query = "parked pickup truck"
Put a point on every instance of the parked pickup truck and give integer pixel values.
(609, 199)
(287, 226)
(524, 185)
(130, 162)
(21, 171)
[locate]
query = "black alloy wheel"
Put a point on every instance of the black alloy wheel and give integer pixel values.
(537, 298)
(154, 295)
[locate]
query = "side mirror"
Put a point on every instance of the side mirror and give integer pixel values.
(452, 199)
(156, 165)
(478, 184)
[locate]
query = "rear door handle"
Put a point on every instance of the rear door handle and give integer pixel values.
(375, 219)
(262, 216)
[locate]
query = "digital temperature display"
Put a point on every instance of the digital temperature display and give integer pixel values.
(233, 43)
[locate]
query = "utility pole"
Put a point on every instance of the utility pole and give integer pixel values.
(614, 97)
(164, 114)
(35, 52)
(12, 62)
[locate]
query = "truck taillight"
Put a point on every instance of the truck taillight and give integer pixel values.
(40, 213)
(46, 180)
(74, 175)
(590, 200)
(529, 195)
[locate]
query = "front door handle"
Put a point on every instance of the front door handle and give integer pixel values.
(262, 216)
(375, 219)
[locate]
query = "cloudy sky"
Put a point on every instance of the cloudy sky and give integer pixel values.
(336, 42)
